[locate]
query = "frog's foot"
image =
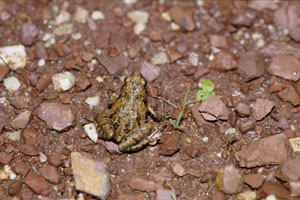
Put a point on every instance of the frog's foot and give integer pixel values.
(146, 133)
(104, 127)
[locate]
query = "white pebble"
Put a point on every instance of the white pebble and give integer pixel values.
(12, 83)
(193, 59)
(139, 28)
(12, 176)
(159, 59)
(81, 15)
(93, 101)
(99, 79)
(211, 57)
(166, 16)
(76, 36)
(96, 15)
(174, 26)
(62, 18)
(98, 51)
(129, 1)
(260, 170)
(63, 81)
(219, 155)
(260, 43)
(138, 16)
(90, 130)
(14, 56)
(271, 197)
(43, 157)
(13, 135)
(205, 139)
(63, 29)
(41, 62)
(295, 144)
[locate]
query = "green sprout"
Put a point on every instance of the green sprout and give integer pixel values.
(206, 91)
(173, 196)
(232, 138)
(176, 125)
(76, 67)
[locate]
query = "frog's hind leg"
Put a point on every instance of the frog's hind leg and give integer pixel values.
(139, 137)
(104, 126)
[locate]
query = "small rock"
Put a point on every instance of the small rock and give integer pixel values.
(261, 108)
(295, 143)
(250, 66)
(40, 50)
(90, 176)
(242, 109)
(155, 35)
(82, 82)
(248, 195)
(163, 194)
(193, 59)
(14, 187)
(3, 72)
(290, 94)
(22, 168)
(63, 29)
(62, 50)
(96, 15)
(113, 64)
(229, 180)
(294, 187)
(160, 59)
(283, 123)
(274, 189)
(140, 18)
(90, 130)
(285, 66)
(218, 41)
(19, 101)
(212, 108)
(137, 183)
(262, 5)
(218, 195)
(50, 173)
(254, 180)
(56, 115)
(29, 149)
(224, 61)
(265, 151)
(150, 72)
(289, 170)
(93, 101)
(54, 159)
(44, 80)
(63, 81)
(112, 147)
(5, 158)
(277, 48)
(173, 55)
(29, 33)
(65, 98)
(37, 184)
(81, 15)
(130, 197)
(246, 126)
(12, 135)
(5, 173)
(14, 56)
(170, 144)
(42, 157)
(12, 83)
(183, 17)
(178, 169)
(21, 120)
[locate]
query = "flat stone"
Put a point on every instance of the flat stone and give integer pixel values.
(37, 184)
(250, 66)
(50, 173)
(170, 144)
(277, 48)
(3, 72)
(290, 94)
(141, 184)
(265, 151)
(29, 33)
(289, 170)
(178, 169)
(229, 180)
(56, 115)
(113, 64)
(90, 176)
(21, 120)
(218, 41)
(163, 194)
(5, 158)
(242, 109)
(29, 149)
(213, 108)
(29, 136)
(22, 168)
(44, 80)
(261, 108)
(254, 180)
(150, 72)
(54, 159)
(224, 61)
(285, 66)
(183, 17)
(14, 187)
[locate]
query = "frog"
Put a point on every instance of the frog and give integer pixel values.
(127, 124)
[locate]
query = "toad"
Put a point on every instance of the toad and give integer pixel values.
(126, 124)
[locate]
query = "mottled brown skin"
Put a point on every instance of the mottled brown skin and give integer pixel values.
(126, 123)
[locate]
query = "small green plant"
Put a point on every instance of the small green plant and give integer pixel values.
(77, 68)
(232, 138)
(206, 91)
(176, 124)
(173, 196)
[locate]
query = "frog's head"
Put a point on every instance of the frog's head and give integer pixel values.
(135, 84)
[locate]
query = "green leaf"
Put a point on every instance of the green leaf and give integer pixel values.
(207, 85)
(76, 67)
(201, 94)
(173, 196)
(172, 123)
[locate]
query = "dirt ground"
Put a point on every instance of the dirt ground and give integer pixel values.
(243, 142)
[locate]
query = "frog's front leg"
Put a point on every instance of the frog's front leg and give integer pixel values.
(144, 134)
(104, 126)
